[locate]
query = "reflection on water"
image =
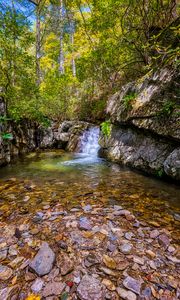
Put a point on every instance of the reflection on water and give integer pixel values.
(56, 176)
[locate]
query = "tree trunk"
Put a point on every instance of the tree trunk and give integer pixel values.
(61, 42)
(73, 59)
(38, 44)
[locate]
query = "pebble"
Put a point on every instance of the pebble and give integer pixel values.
(152, 265)
(138, 260)
(84, 224)
(109, 284)
(150, 253)
(117, 207)
(87, 208)
(164, 240)
(171, 249)
(127, 295)
(154, 234)
(53, 288)
(42, 263)
(66, 265)
(3, 254)
(132, 284)
(122, 212)
(90, 288)
(177, 217)
(126, 248)
(91, 260)
(5, 272)
(37, 285)
(108, 271)
(129, 235)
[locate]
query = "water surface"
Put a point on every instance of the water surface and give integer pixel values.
(50, 177)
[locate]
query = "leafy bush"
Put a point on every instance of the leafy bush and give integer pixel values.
(127, 100)
(106, 128)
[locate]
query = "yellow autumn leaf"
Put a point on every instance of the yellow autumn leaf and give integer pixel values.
(33, 297)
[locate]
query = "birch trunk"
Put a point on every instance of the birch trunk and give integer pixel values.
(38, 44)
(73, 59)
(61, 42)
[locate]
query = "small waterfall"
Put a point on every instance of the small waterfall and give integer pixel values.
(89, 142)
(88, 147)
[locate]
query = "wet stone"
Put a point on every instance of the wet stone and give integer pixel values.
(66, 265)
(154, 234)
(164, 240)
(3, 254)
(129, 235)
(37, 285)
(139, 260)
(126, 248)
(171, 249)
(109, 284)
(84, 223)
(5, 272)
(53, 288)
(111, 247)
(42, 263)
(109, 262)
(127, 295)
(90, 288)
(87, 208)
(91, 260)
(147, 293)
(132, 284)
(177, 217)
(62, 245)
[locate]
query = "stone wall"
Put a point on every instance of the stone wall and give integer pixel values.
(145, 125)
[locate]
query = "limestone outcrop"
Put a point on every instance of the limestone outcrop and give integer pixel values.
(145, 125)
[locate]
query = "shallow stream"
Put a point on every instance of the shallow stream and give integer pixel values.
(50, 177)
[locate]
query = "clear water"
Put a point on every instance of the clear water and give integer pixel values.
(71, 179)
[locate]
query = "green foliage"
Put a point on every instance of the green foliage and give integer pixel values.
(128, 99)
(4, 119)
(7, 136)
(167, 108)
(160, 173)
(114, 41)
(106, 128)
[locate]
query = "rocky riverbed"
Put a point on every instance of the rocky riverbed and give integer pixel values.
(89, 252)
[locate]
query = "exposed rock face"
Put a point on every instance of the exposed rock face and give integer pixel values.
(28, 136)
(145, 130)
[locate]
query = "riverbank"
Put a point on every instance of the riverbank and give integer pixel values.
(88, 252)
(143, 131)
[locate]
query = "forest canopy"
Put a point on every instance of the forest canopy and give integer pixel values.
(61, 59)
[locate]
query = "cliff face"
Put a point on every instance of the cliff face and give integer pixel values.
(145, 130)
(28, 136)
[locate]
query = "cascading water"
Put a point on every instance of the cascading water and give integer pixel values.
(89, 147)
(89, 142)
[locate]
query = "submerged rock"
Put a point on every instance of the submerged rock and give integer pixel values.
(126, 248)
(5, 272)
(37, 285)
(132, 284)
(84, 224)
(42, 263)
(164, 240)
(126, 295)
